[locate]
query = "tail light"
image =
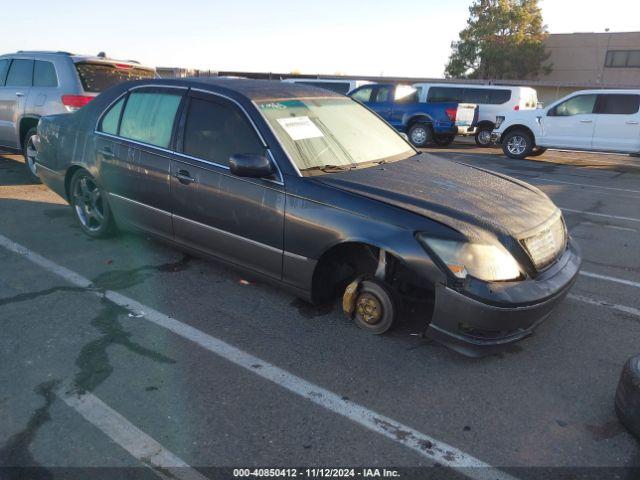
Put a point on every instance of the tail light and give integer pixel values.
(74, 102)
(516, 108)
(452, 113)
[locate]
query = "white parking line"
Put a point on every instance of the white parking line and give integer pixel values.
(622, 281)
(601, 303)
(423, 444)
(141, 446)
(605, 215)
(542, 179)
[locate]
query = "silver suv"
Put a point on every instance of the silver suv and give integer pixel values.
(34, 84)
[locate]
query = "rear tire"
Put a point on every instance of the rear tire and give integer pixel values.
(627, 400)
(483, 137)
(444, 141)
(90, 206)
(420, 135)
(517, 144)
(30, 155)
(375, 307)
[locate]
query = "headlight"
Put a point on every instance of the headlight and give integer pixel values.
(499, 120)
(486, 262)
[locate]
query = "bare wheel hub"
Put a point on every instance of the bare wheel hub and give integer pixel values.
(369, 308)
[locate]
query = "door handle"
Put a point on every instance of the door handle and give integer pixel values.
(632, 122)
(586, 121)
(106, 152)
(19, 94)
(184, 177)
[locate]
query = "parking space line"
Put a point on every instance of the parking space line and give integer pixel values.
(426, 446)
(542, 179)
(137, 443)
(622, 281)
(601, 303)
(605, 215)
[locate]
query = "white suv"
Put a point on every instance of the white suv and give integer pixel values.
(592, 120)
(492, 100)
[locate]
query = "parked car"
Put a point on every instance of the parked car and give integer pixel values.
(311, 190)
(34, 84)
(335, 85)
(589, 120)
(423, 123)
(491, 100)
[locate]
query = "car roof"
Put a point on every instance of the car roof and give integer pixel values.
(604, 90)
(471, 85)
(76, 58)
(255, 90)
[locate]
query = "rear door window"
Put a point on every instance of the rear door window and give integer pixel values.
(445, 95)
(96, 77)
(618, 104)
(383, 94)
(149, 117)
(44, 74)
(20, 73)
(215, 131)
(4, 67)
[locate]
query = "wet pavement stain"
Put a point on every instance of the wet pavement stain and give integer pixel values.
(308, 310)
(16, 452)
(121, 279)
(24, 297)
(93, 360)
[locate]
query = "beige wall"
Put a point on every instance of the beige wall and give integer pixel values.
(579, 58)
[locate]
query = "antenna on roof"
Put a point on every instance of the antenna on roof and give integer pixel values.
(102, 55)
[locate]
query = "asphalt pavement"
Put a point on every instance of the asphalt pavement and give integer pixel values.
(125, 353)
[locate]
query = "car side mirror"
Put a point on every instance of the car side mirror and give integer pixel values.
(253, 166)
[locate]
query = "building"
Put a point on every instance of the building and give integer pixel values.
(590, 60)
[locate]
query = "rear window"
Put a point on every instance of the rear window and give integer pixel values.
(96, 77)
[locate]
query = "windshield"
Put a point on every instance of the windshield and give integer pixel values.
(332, 133)
(96, 77)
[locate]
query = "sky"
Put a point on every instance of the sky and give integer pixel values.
(392, 37)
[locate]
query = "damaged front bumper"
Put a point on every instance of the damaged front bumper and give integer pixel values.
(482, 318)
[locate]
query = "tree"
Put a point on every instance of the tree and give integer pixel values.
(504, 39)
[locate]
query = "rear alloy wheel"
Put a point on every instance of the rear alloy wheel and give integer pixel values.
(30, 154)
(483, 137)
(375, 308)
(420, 135)
(517, 144)
(627, 402)
(444, 141)
(90, 206)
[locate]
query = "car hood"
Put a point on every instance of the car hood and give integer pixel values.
(469, 199)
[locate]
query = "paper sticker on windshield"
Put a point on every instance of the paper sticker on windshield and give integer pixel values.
(300, 128)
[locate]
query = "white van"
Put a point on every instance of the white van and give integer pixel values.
(338, 86)
(492, 101)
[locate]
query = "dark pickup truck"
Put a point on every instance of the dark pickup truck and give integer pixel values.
(424, 123)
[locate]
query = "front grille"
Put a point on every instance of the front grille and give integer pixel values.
(546, 245)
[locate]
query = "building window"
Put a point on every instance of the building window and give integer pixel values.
(623, 59)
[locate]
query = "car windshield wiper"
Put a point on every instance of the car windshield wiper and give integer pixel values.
(330, 168)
